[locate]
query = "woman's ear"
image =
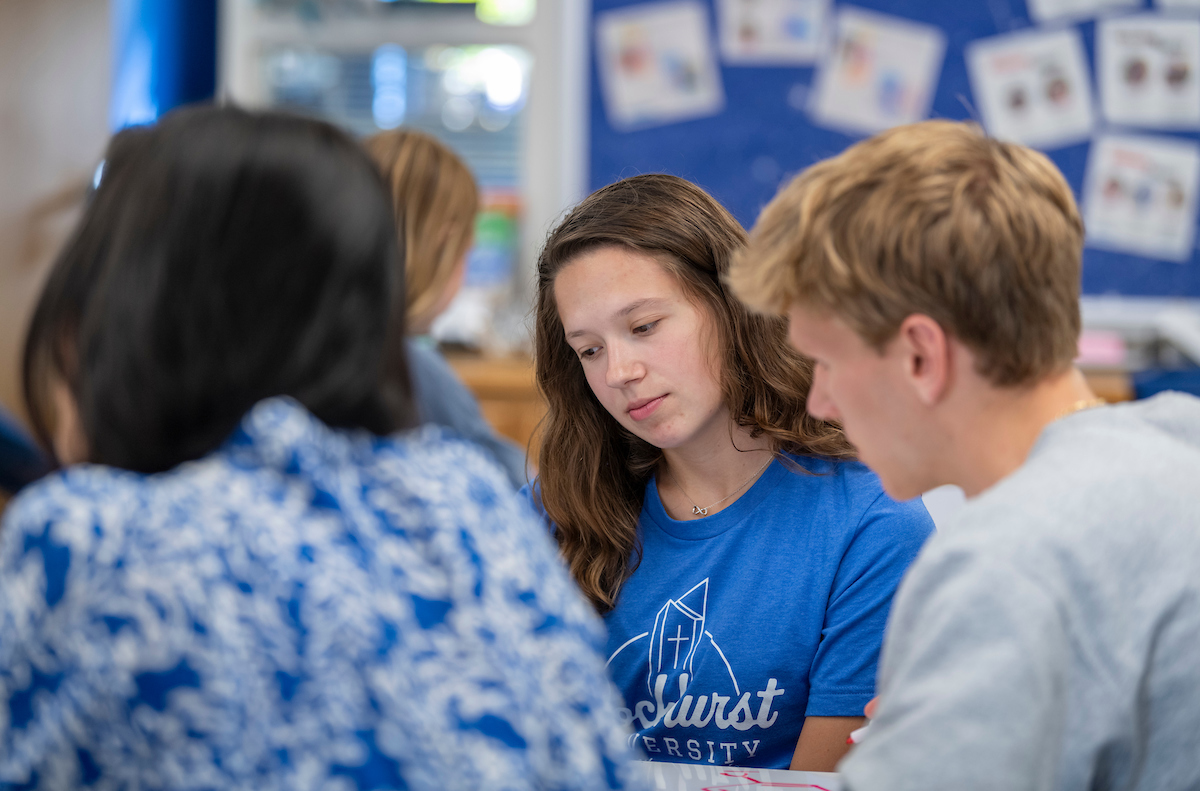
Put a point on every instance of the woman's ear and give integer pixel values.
(68, 439)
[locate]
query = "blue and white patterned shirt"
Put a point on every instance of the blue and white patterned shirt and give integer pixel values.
(302, 609)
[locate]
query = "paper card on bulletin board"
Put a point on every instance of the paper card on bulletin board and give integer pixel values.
(657, 64)
(1046, 10)
(1148, 68)
(1140, 195)
(771, 32)
(880, 72)
(1032, 88)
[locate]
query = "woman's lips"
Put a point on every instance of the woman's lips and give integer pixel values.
(645, 409)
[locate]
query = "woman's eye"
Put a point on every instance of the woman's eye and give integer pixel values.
(588, 353)
(642, 329)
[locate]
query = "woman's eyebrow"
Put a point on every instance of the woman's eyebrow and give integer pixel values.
(638, 304)
(648, 302)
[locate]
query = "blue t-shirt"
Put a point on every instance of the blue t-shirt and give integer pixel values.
(737, 626)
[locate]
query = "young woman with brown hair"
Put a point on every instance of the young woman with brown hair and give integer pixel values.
(744, 562)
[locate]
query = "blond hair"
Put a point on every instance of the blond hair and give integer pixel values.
(934, 218)
(435, 200)
(594, 471)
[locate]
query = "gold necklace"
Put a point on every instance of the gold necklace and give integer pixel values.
(697, 510)
(1079, 406)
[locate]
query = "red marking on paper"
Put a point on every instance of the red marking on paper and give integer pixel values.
(756, 783)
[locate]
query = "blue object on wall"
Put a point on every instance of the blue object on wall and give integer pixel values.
(164, 55)
(764, 135)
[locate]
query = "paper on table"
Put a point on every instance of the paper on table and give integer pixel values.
(1045, 10)
(657, 64)
(881, 72)
(1140, 195)
(701, 777)
(1148, 67)
(1032, 88)
(772, 31)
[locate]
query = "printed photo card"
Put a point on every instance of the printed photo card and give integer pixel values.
(1032, 87)
(1047, 10)
(881, 71)
(1147, 68)
(657, 64)
(771, 32)
(1139, 195)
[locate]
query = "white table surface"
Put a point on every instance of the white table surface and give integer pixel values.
(700, 777)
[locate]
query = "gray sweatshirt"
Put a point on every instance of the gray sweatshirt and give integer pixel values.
(1050, 637)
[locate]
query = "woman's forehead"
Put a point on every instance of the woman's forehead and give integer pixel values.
(612, 282)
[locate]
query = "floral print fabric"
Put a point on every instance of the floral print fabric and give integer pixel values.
(303, 609)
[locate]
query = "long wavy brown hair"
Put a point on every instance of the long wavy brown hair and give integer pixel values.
(593, 472)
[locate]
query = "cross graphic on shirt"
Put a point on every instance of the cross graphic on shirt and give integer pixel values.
(677, 639)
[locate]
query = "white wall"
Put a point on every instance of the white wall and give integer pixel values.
(54, 86)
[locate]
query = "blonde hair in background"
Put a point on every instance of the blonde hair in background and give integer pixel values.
(593, 471)
(934, 218)
(435, 200)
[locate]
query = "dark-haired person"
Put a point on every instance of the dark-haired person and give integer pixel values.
(250, 580)
(1050, 638)
(744, 562)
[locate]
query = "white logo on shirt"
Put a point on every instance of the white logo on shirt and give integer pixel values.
(678, 638)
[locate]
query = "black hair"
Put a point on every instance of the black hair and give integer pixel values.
(225, 257)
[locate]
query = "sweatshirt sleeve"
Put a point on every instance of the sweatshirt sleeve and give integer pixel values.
(972, 688)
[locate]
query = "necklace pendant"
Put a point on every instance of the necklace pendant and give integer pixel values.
(698, 511)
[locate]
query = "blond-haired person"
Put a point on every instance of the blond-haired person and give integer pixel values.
(1049, 638)
(435, 200)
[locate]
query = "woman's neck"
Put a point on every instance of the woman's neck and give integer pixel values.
(697, 476)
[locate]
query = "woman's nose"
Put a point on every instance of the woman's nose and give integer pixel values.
(623, 367)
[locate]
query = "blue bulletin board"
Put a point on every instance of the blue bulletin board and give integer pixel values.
(764, 134)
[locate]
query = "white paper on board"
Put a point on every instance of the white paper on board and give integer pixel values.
(1046, 10)
(880, 72)
(771, 31)
(1032, 87)
(1139, 195)
(1149, 70)
(657, 64)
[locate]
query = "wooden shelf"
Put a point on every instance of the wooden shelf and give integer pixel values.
(1112, 386)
